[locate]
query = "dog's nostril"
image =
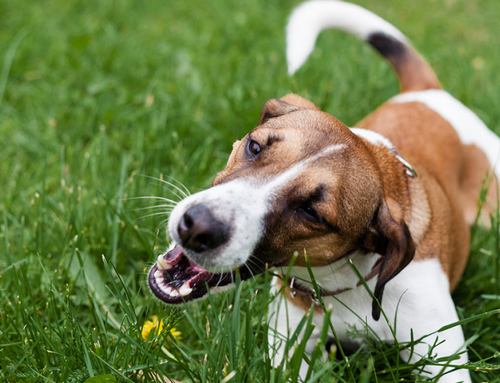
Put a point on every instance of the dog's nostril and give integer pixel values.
(188, 221)
(200, 231)
(210, 239)
(184, 226)
(204, 240)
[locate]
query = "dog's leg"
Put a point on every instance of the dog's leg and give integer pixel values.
(425, 307)
(284, 318)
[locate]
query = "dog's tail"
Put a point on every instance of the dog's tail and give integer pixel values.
(312, 17)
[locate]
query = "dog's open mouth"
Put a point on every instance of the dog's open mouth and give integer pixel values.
(175, 278)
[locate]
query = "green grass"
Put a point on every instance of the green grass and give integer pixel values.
(96, 94)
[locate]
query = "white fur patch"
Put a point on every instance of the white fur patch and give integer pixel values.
(373, 137)
(425, 305)
(310, 18)
(242, 203)
(469, 127)
(337, 275)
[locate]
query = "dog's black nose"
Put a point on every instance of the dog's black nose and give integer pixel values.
(200, 231)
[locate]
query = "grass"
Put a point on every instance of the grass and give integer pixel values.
(95, 97)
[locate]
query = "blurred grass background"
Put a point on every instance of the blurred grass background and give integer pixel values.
(97, 96)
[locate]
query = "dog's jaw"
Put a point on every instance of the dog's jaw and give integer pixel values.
(236, 204)
(175, 279)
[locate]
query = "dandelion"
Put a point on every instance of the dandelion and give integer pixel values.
(155, 325)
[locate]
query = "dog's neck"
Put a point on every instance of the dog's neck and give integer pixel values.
(395, 170)
(305, 289)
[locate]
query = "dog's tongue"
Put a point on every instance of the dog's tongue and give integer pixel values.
(174, 278)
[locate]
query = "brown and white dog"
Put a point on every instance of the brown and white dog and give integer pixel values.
(302, 181)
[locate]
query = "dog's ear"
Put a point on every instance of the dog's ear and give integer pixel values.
(390, 237)
(289, 103)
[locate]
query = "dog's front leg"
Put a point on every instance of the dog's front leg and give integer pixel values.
(425, 306)
(284, 319)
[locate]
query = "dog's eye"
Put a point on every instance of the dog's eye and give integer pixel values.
(254, 148)
(310, 214)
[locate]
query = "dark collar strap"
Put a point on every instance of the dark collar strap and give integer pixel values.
(300, 289)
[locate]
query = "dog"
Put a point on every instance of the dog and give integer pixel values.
(394, 197)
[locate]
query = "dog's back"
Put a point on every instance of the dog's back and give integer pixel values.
(456, 147)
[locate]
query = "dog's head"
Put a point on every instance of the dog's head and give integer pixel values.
(300, 181)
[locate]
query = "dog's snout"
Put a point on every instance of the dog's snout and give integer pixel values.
(200, 231)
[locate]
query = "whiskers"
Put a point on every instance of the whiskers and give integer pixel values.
(162, 206)
(181, 189)
(255, 261)
(249, 266)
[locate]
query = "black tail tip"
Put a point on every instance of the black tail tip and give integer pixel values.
(387, 45)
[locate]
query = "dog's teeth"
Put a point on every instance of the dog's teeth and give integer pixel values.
(168, 290)
(174, 293)
(159, 280)
(185, 290)
(159, 263)
(158, 274)
(162, 264)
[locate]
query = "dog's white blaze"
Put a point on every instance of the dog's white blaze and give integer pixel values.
(422, 292)
(310, 18)
(337, 275)
(468, 125)
(242, 203)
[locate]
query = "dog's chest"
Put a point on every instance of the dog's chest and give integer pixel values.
(422, 287)
(350, 311)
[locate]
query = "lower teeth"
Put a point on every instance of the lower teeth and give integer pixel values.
(185, 290)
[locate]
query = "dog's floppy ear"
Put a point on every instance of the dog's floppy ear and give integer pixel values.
(289, 103)
(391, 239)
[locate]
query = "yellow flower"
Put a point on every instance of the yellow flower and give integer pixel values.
(154, 323)
(176, 334)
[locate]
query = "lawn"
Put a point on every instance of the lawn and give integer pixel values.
(104, 102)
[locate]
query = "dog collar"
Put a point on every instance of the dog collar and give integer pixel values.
(296, 288)
(410, 172)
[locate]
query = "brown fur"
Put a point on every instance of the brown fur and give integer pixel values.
(365, 196)
(450, 173)
(302, 301)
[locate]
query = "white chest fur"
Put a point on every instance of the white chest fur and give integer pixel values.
(417, 300)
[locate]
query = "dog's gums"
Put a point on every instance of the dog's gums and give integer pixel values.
(174, 278)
